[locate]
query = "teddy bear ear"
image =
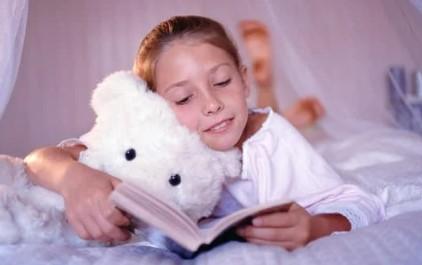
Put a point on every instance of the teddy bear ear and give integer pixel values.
(115, 90)
(92, 159)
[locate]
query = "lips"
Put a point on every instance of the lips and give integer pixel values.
(220, 126)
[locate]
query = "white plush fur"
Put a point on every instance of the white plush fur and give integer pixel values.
(129, 116)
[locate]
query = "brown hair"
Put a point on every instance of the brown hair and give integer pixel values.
(178, 28)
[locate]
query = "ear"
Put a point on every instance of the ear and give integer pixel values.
(244, 75)
(115, 91)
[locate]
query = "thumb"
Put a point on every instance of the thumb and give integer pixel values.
(115, 182)
(295, 206)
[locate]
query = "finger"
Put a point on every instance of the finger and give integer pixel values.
(288, 245)
(118, 218)
(297, 212)
(115, 182)
(295, 206)
(93, 228)
(278, 219)
(114, 215)
(270, 234)
(79, 228)
(111, 231)
(85, 219)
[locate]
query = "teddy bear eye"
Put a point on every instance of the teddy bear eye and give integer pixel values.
(175, 180)
(130, 154)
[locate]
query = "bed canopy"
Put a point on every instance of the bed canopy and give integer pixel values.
(338, 51)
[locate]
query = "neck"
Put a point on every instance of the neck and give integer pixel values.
(254, 123)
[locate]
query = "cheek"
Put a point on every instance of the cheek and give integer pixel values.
(237, 98)
(187, 118)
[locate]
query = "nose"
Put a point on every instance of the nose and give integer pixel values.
(212, 105)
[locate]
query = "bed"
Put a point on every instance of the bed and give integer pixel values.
(385, 162)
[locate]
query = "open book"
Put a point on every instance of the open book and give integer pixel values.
(176, 224)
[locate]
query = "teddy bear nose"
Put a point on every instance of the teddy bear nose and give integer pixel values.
(130, 154)
(175, 180)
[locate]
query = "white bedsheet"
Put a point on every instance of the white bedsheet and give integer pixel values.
(395, 241)
(380, 162)
(385, 162)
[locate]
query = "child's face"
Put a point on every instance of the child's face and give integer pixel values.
(206, 90)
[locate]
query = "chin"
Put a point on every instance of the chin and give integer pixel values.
(221, 146)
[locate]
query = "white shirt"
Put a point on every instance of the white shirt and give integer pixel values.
(279, 164)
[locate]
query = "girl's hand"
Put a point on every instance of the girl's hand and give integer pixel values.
(87, 206)
(292, 229)
(289, 229)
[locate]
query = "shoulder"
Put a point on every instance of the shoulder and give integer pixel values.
(267, 126)
(263, 120)
(266, 121)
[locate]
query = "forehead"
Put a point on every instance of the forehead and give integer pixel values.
(195, 48)
(181, 60)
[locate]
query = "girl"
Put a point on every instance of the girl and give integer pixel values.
(191, 62)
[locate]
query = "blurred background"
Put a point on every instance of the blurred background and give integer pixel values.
(337, 50)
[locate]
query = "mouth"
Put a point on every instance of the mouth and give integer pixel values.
(220, 126)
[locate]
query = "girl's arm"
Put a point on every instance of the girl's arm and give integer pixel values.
(48, 166)
(85, 192)
(293, 228)
(326, 224)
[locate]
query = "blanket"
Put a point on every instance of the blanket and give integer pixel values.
(395, 241)
(389, 168)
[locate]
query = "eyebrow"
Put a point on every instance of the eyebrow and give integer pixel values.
(214, 68)
(184, 82)
(177, 84)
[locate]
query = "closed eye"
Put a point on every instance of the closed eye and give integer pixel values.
(183, 101)
(224, 83)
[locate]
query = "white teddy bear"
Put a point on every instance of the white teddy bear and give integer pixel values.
(136, 138)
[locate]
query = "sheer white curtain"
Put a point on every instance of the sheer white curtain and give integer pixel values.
(337, 50)
(341, 52)
(418, 4)
(13, 16)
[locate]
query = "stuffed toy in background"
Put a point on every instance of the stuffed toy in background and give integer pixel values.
(136, 138)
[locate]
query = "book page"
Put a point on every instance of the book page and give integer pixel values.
(176, 224)
(149, 209)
